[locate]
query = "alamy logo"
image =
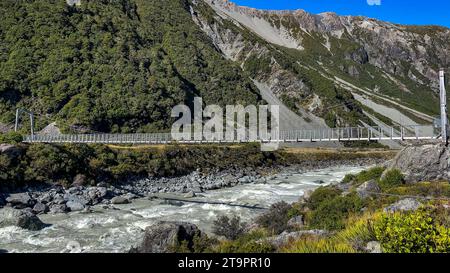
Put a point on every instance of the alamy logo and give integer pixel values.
(236, 123)
(374, 2)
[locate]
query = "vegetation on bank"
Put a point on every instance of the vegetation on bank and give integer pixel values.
(350, 221)
(11, 138)
(25, 164)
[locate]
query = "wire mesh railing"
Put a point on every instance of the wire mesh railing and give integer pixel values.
(411, 132)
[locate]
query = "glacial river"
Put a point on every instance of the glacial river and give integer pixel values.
(108, 230)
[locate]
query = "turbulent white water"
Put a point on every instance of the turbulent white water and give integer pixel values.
(118, 230)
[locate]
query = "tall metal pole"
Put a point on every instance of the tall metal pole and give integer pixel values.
(32, 124)
(16, 126)
(444, 120)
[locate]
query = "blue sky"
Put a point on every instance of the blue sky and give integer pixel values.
(412, 12)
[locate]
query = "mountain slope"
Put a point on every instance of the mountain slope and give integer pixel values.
(387, 63)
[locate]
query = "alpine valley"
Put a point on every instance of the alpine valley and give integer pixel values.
(120, 66)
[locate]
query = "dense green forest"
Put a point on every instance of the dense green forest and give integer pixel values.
(111, 66)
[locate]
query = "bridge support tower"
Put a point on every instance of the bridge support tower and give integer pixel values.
(443, 97)
(20, 111)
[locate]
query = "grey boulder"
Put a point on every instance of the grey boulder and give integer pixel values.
(373, 247)
(164, 236)
(190, 194)
(58, 208)
(120, 200)
(40, 208)
(368, 188)
(20, 218)
(418, 163)
(20, 200)
(75, 205)
(407, 204)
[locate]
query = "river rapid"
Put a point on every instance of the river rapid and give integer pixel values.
(118, 229)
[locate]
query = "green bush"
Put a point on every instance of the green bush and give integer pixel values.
(349, 178)
(415, 232)
(201, 243)
(332, 213)
(314, 244)
(322, 194)
(392, 178)
(245, 247)
(11, 138)
(229, 228)
(276, 218)
(364, 176)
(248, 243)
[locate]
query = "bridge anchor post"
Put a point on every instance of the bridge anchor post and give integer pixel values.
(443, 97)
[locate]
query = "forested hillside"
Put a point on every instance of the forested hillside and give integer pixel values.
(114, 66)
(120, 66)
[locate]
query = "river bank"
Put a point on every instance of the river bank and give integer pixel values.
(118, 227)
(57, 199)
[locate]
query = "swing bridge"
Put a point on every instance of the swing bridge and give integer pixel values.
(438, 130)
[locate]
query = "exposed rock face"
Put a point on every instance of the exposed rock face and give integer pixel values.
(373, 247)
(382, 44)
(20, 200)
(51, 129)
(163, 236)
(267, 42)
(407, 204)
(429, 162)
(21, 218)
(367, 189)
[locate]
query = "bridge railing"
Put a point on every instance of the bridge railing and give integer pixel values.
(314, 135)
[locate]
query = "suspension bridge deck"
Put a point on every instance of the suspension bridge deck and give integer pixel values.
(400, 133)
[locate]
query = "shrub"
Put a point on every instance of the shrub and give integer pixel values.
(313, 244)
(276, 218)
(322, 194)
(348, 178)
(358, 230)
(332, 213)
(201, 243)
(11, 138)
(295, 210)
(229, 228)
(392, 178)
(248, 243)
(245, 247)
(415, 232)
(436, 189)
(364, 176)
(204, 244)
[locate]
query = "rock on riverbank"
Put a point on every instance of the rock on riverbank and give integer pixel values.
(163, 237)
(21, 218)
(430, 162)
